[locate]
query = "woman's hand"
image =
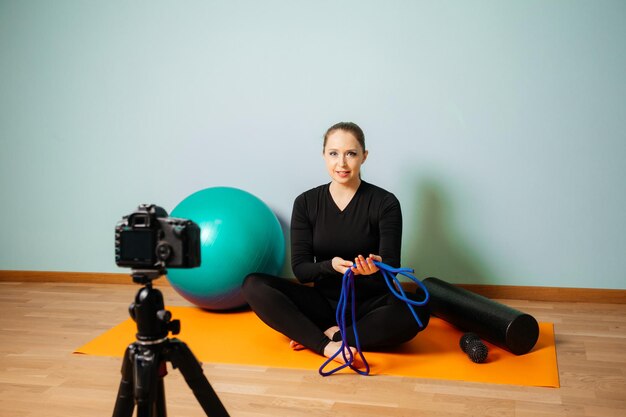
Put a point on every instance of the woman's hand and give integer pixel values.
(363, 266)
(340, 265)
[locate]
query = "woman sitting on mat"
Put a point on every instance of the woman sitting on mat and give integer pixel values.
(347, 223)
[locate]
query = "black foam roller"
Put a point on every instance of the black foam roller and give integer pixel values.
(501, 325)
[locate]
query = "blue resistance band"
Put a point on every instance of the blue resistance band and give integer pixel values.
(348, 291)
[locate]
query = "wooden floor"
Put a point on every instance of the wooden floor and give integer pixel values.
(42, 323)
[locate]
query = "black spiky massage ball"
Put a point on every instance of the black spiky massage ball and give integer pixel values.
(477, 351)
(466, 339)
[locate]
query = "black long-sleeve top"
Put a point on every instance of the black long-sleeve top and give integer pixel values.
(370, 224)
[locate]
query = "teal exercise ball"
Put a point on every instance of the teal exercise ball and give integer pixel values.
(239, 234)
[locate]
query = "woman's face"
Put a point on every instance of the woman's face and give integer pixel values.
(344, 156)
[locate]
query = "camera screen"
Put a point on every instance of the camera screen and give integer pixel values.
(137, 245)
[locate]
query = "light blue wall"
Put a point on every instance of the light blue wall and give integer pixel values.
(499, 125)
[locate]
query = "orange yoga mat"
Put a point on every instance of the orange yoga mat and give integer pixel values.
(242, 338)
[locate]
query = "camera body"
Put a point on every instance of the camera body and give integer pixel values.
(149, 239)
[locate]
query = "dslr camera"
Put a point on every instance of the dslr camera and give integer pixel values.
(150, 239)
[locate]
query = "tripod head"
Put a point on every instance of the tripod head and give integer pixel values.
(154, 322)
(146, 276)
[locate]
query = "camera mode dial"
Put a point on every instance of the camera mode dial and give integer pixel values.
(164, 251)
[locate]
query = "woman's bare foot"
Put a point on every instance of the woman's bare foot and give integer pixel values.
(296, 346)
(350, 352)
(330, 332)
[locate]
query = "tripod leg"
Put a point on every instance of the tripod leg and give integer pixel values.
(147, 380)
(160, 399)
(181, 357)
(125, 402)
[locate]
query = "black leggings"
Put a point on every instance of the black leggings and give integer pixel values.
(302, 314)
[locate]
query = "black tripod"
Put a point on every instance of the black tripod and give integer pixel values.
(144, 364)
